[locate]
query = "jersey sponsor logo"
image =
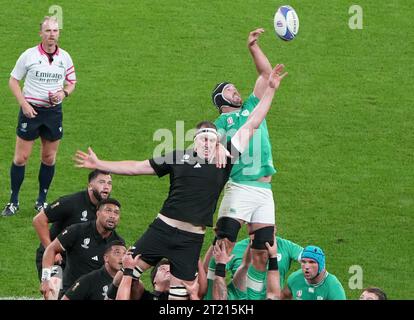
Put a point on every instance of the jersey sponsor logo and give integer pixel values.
(95, 258)
(197, 165)
(55, 205)
(245, 113)
(85, 244)
(84, 216)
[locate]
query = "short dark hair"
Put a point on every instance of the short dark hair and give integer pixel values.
(106, 201)
(114, 243)
(155, 269)
(206, 124)
(93, 174)
(377, 291)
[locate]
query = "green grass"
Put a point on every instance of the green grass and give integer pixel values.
(341, 128)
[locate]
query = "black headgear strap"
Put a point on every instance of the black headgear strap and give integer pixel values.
(218, 97)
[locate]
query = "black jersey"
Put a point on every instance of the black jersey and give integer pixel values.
(195, 185)
(68, 210)
(84, 248)
(91, 286)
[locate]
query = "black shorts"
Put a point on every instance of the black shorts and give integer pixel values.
(181, 248)
(47, 124)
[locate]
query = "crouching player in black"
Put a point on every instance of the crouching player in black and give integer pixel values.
(84, 244)
(94, 285)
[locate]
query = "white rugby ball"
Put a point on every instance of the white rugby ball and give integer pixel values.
(286, 23)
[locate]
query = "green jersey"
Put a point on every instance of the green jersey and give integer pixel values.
(257, 161)
(287, 251)
(328, 289)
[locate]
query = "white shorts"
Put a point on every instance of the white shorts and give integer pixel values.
(248, 203)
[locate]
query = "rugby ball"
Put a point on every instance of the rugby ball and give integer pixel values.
(286, 23)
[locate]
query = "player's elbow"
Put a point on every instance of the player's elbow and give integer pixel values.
(13, 82)
(40, 220)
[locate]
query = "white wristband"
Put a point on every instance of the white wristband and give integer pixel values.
(46, 274)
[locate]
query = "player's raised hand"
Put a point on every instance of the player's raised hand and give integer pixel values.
(276, 76)
(221, 156)
(253, 36)
(86, 160)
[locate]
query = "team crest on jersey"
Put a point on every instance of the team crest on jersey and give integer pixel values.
(185, 158)
(230, 121)
(245, 113)
(86, 242)
(84, 215)
(299, 293)
(104, 290)
(279, 257)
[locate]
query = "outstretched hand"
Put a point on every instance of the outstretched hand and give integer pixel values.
(253, 36)
(276, 76)
(86, 160)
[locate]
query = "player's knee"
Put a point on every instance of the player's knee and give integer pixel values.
(227, 228)
(178, 293)
(263, 235)
(20, 159)
(49, 158)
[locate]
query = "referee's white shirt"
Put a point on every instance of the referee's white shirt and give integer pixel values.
(42, 77)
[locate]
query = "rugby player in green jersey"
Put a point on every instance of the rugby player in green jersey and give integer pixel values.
(248, 197)
(313, 282)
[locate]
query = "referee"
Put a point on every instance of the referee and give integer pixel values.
(49, 78)
(177, 233)
(70, 209)
(84, 244)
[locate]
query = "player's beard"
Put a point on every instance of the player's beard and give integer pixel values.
(98, 195)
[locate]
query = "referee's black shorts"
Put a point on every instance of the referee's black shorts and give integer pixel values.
(47, 124)
(181, 248)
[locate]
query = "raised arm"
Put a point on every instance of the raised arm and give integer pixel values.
(242, 137)
(91, 161)
(222, 258)
(124, 288)
(273, 276)
(240, 276)
(263, 66)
